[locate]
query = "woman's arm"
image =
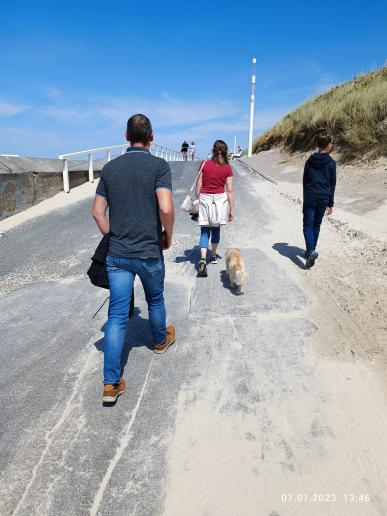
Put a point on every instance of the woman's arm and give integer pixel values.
(230, 196)
(199, 184)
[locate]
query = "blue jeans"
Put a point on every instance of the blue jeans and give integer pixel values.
(121, 272)
(205, 232)
(313, 214)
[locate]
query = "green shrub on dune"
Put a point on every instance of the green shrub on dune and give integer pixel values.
(355, 113)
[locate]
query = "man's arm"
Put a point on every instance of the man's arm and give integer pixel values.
(163, 191)
(100, 207)
(167, 213)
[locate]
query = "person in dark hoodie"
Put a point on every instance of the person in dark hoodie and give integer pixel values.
(319, 189)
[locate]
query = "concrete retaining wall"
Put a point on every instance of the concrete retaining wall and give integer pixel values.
(27, 181)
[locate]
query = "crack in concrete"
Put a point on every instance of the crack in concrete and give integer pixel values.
(125, 439)
(50, 434)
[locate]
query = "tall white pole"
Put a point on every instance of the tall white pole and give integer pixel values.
(91, 171)
(252, 101)
(235, 144)
(66, 180)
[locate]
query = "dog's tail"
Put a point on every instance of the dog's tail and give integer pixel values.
(241, 277)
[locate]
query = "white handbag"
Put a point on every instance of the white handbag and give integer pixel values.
(189, 205)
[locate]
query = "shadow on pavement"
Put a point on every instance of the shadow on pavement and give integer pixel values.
(137, 335)
(290, 251)
(226, 283)
(190, 255)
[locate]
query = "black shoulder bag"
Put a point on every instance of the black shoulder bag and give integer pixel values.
(97, 270)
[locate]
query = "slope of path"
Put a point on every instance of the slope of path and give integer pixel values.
(236, 413)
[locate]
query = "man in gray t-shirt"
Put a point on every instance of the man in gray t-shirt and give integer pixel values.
(137, 189)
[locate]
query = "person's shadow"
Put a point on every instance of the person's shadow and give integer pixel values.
(290, 251)
(192, 256)
(137, 335)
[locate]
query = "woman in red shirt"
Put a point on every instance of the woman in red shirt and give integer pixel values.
(216, 206)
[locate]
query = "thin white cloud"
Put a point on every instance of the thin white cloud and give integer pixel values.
(10, 109)
(63, 113)
(52, 93)
(167, 111)
(266, 118)
(206, 133)
(173, 119)
(219, 127)
(239, 124)
(45, 142)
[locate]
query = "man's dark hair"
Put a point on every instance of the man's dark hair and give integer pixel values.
(323, 139)
(139, 129)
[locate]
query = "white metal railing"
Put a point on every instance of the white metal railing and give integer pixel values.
(157, 150)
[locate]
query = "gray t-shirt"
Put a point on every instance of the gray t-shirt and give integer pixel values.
(129, 184)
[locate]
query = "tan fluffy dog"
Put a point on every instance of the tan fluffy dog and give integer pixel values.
(236, 269)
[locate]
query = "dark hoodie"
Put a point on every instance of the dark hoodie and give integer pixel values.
(320, 178)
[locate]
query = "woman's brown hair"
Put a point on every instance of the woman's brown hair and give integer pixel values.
(220, 152)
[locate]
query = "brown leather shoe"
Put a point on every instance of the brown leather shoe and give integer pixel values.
(111, 392)
(162, 348)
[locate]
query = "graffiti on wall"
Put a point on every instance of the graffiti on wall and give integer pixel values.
(10, 198)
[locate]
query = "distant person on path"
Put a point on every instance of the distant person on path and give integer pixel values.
(216, 207)
(319, 184)
(137, 189)
(237, 154)
(192, 150)
(184, 150)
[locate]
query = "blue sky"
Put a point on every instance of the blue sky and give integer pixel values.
(72, 72)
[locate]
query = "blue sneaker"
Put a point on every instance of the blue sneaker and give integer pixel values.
(311, 258)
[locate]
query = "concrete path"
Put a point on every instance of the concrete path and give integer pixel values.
(243, 416)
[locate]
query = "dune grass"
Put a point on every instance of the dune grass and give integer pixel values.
(355, 113)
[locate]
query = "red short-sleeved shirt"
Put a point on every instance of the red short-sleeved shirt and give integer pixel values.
(214, 177)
